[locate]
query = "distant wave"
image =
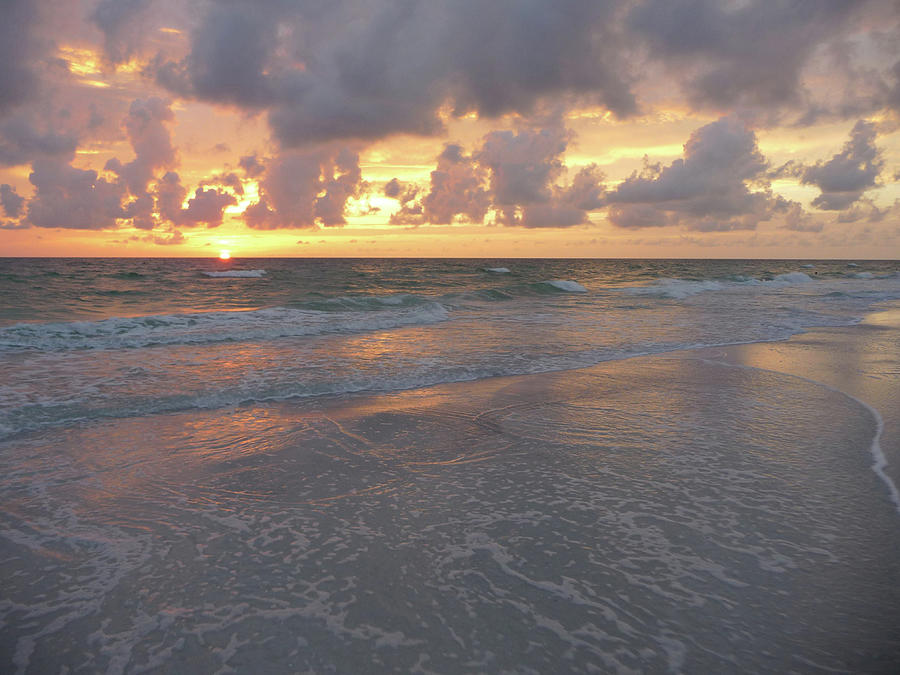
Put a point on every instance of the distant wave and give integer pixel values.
(243, 274)
(679, 289)
(497, 270)
(210, 327)
(563, 285)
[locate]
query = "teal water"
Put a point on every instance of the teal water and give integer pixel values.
(270, 466)
(82, 339)
(59, 289)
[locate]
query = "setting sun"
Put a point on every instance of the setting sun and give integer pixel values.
(224, 255)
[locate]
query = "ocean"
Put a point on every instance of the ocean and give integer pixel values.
(317, 465)
(84, 339)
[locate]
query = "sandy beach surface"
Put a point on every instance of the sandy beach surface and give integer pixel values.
(713, 510)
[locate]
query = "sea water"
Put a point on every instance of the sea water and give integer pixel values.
(264, 466)
(82, 339)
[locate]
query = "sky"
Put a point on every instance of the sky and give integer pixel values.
(462, 128)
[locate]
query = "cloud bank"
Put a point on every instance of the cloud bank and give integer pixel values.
(330, 78)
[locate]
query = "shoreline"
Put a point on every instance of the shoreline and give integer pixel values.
(696, 511)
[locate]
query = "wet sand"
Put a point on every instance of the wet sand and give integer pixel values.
(703, 511)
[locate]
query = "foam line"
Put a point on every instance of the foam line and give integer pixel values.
(880, 462)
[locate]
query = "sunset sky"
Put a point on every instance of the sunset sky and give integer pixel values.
(563, 128)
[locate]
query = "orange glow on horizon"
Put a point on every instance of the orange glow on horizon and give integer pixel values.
(224, 255)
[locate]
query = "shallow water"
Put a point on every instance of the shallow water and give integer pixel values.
(343, 478)
(643, 516)
(88, 339)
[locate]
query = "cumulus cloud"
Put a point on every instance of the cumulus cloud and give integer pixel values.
(169, 194)
(207, 206)
(69, 197)
(147, 127)
(11, 201)
(122, 23)
(706, 190)
(306, 188)
(331, 76)
(523, 164)
(252, 166)
(17, 49)
(515, 173)
(22, 141)
(750, 53)
(230, 180)
(73, 198)
(393, 188)
(794, 218)
(367, 69)
(847, 175)
(411, 210)
(457, 188)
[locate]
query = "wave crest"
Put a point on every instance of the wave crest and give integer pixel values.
(237, 274)
(210, 327)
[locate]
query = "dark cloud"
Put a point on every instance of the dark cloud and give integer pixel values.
(552, 215)
(11, 201)
(17, 50)
(516, 173)
(207, 207)
(365, 69)
(866, 210)
(568, 205)
(796, 219)
(140, 212)
(69, 197)
(306, 188)
(586, 192)
(411, 210)
(741, 53)
(252, 166)
(230, 180)
(523, 164)
(458, 188)
(706, 190)
(393, 188)
(893, 94)
(173, 238)
(14, 225)
(73, 198)
(147, 127)
(21, 141)
(169, 194)
(847, 175)
(122, 23)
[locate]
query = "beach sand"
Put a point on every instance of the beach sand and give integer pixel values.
(712, 510)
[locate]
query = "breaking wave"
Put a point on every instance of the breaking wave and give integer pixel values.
(209, 327)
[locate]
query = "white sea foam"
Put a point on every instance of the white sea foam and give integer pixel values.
(567, 286)
(862, 275)
(677, 289)
(239, 274)
(209, 327)
(791, 278)
(879, 460)
(497, 270)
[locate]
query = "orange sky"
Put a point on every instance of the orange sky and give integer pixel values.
(662, 179)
